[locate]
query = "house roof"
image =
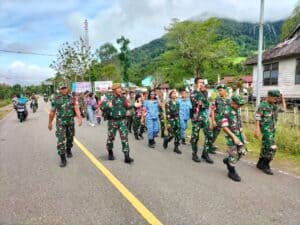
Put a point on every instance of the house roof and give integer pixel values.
(246, 79)
(290, 47)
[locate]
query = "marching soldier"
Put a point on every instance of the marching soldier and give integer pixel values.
(115, 108)
(64, 106)
(161, 112)
(172, 113)
(200, 106)
(130, 111)
(266, 117)
(232, 126)
(217, 112)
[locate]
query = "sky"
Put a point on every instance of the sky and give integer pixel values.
(43, 26)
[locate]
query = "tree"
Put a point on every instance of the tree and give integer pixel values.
(72, 61)
(106, 53)
(124, 57)
(195, 47)
(291, 23)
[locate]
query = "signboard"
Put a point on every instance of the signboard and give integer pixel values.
(81, 86)
(103, 86)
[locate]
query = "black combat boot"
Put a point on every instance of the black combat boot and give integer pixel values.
(136, 137)
(127, 158)
(69, 153)
(176, 150)
(111, 155)
(166, 141)
(141, 136)
(260, 164)
(151, 143)
(206, 157)
(195, 157)
(63, 160)
(183, 141)
(267, 168)
(232, 174)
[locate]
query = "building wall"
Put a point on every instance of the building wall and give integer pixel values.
(286, 79)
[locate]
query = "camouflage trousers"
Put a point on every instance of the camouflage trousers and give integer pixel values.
(129, 122)
(174, 131)
(65, 132)
(268, 148)
(162, 124)
(113, 127)
(137, 126)
(235, 152)
(196, 126)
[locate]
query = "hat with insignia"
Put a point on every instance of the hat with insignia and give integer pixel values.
(62, 85)
(238, 99)
(274, 93)
(116, 86)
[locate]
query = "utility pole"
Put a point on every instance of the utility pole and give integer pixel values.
(259, 61)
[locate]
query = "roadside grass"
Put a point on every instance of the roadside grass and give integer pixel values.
(4, 102)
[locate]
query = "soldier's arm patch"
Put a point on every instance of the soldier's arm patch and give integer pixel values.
(225, 122)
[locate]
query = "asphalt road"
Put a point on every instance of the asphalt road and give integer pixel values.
(35, 190)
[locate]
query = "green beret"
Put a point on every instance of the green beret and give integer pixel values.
(116, 86)
(238, 99)
(274, 93)
(221, 86)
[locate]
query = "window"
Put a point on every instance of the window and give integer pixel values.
(297, 75)
(271, 74)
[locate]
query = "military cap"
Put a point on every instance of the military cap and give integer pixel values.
(238, 99)
(221, 86)
(116, 86)
(274, 93)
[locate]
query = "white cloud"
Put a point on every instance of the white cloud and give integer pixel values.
(143, 20)
(25, 74)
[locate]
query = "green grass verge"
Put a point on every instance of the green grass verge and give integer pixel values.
(4, 102)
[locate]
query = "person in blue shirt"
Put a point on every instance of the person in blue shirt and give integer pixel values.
(22, 99)
(185, 106)
(151, 106)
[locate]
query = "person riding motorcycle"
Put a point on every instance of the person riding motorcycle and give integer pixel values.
(34, 101)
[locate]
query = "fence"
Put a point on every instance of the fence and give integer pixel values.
(289, 118)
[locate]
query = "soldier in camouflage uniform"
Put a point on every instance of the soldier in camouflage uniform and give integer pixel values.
(172, 113)
(130, 112)
(217, 110)
(115, 108)
(161, 112)
(266, 117)
(232, 126)
(64, 106)
(200, 106)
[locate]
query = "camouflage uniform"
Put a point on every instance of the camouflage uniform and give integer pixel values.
(65, 131)
(200, 106)
(161, 114)
(267, 115)
(130, 114)
(137, 122)
(172, 113)
(116, 121)
(218, 107)
(232, 120)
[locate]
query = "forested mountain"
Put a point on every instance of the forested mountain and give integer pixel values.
(243, 33)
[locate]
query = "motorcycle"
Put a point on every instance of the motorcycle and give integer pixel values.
(46, 99)
(21, 111)
(33, 106)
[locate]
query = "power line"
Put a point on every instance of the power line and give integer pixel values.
(24, 52)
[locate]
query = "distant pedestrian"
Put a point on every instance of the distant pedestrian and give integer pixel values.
(91, 107)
